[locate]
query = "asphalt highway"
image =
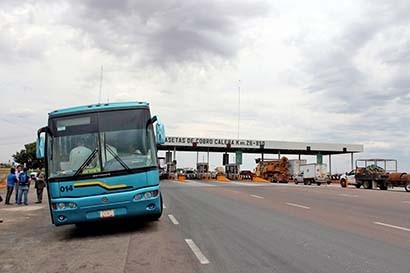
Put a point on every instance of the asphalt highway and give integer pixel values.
(223, 227)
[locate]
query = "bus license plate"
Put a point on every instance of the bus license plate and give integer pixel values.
(107, 213)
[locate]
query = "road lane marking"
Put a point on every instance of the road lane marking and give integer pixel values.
(201, 257)
(296, 205)
(348, 195)
(257, 196)
(24, 208)
(163, 206)
(173, 219)
(392, 226)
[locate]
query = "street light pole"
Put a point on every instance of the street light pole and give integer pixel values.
(239, 106)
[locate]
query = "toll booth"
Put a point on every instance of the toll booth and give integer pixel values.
(162, 165)
(202, 169)
(232, 171)
(171, 169)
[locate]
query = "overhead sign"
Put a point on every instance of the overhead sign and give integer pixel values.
(238, 158)
(214, 142)
(259, 145)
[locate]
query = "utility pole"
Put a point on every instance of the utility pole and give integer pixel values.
(101, 79)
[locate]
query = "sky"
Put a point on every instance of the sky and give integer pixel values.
(317, 71)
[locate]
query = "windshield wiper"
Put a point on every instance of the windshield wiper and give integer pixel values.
(86, 162)
(115, 155)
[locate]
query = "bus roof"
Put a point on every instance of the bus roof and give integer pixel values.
(98, 107)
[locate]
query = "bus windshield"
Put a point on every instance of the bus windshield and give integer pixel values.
(100, 142)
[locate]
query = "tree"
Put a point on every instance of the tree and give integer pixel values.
(28, 156)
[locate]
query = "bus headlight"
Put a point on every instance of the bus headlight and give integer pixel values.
(72, 205)
(61, 205)
(148, 194)
(138, 196)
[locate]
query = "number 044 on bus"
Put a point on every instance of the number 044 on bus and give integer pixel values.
(101, 162)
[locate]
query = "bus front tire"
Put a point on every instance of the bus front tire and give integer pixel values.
(155, 217)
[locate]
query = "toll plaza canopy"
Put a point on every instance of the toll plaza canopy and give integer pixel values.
(198, 144)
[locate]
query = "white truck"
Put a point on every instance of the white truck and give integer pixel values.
(313, 173)
(294, 167)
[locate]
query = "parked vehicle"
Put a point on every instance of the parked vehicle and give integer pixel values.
(246, 175)
(294, 167)
(369, 174)
(101, 162)
(273, 170)
(313, 173)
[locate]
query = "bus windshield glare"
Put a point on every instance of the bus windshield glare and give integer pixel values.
(100, 142)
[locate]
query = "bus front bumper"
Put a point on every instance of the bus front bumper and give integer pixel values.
(67, 211)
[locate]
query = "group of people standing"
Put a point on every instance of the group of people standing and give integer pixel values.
(19, 181)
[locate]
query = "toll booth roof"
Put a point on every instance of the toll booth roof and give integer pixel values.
(256, 146)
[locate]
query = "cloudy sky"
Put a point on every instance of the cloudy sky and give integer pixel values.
(322, 71)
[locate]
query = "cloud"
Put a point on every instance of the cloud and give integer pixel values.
(162, 33)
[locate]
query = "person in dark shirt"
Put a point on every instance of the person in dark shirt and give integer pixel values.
(39, 185)
(11, 182)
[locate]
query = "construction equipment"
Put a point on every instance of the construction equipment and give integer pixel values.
(273, 170)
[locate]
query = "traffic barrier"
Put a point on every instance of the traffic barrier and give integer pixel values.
(181, 178)
(259, 179)
(2, 183)
(222, 178)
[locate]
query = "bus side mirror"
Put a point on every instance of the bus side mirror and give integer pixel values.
(160, 131)
(40, 143)
(40, 147)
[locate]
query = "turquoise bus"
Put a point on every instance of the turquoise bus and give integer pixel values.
(101, 162)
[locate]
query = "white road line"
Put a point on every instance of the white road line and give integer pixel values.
(201, 257)
(24, 208)
(163, 206)
(387, 225)
(173, 220)
(296, 205)
(348, 195)
(257, 196)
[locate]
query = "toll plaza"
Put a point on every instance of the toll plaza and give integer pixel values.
(263, 147)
